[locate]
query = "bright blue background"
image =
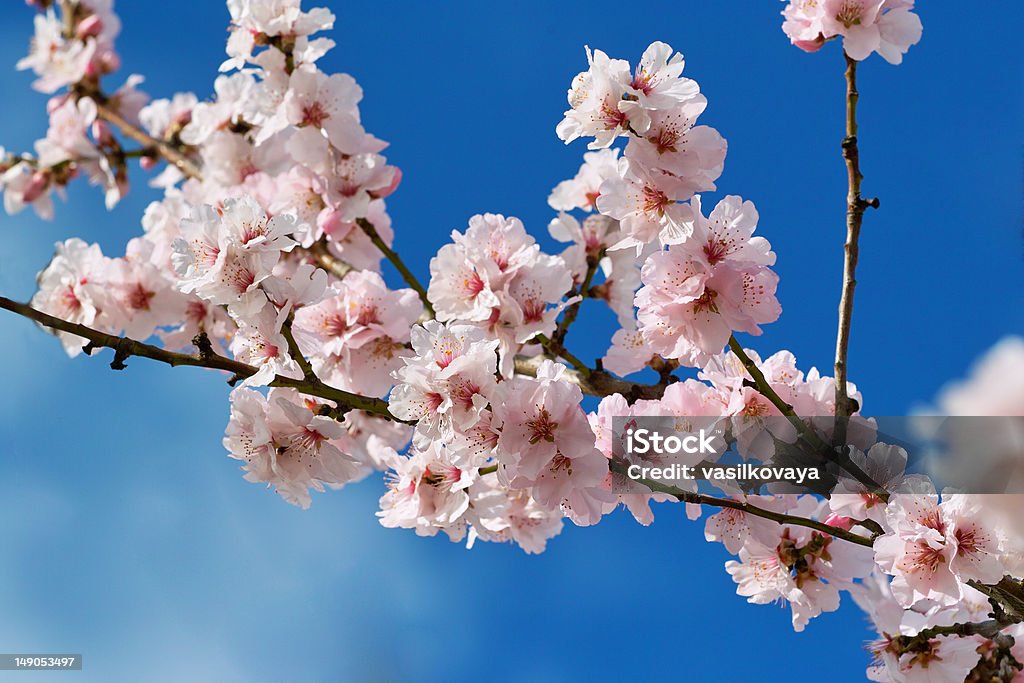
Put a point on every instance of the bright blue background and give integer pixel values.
(130, 537)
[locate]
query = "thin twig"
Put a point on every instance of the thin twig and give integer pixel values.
(596, 382)
(168, 151)
(855, 206)
(840, 458)
(569, 317)
(701, 499)
(558, 351)
(396, 261)
(295, 352)
(322, 256)
(124, 348)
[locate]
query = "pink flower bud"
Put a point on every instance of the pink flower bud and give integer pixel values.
(109, 61)
(91, 26)
(839, 521)
(147, 163)
(36, 187)
(810, 45)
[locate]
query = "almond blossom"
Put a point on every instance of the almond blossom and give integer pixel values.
(263, 254)
(69, 289)
(689, 309)
(356, 336)
(934, 549)
(446, 386)
(888, 27)
(427, 493)
(57, 62)
(582, 191)
(597, 106)
(287, 445)
(546, 443)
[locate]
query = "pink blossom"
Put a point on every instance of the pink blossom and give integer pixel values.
(597, 107)
(628, 353)
(356, 336)
(503, 515)
(285, 444)
(695, 155)
(995, 386)
(546, 443)
(933, 549)
(57, 62)
(657, 82)
(688, 309)
(645, 202)
(69, 289)
(427, 492)
(884, 26)
(325, 109)
(581, 192)
(446, 386)
(23, 186)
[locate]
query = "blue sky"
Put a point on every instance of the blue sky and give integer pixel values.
(131, 538)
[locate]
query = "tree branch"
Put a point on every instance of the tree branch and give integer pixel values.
(593, 261)
(557, 350)
(396, 261)
(124, 348)
(295, 352)
(855, 206)
(841, 459)
(598, 383)
(986, 629)
(701, 499)
(1005, 613)
(169, 152)
(322, 256)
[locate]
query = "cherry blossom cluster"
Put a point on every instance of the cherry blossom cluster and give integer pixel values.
(70, 54)
(887, 27)
(668, 157)
(495, 276)
(264, 253)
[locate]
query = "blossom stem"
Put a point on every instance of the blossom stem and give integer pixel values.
(67, 10)
(322, 256)
(701, 499)
(840, 458)
(296, 352)
(555, 348)
(987, 629)
(855, 207)
(766, 390)
(593, 260)
(596, 382)
(1008, 594)
(396, 261)
(125, 347)
(168, 151)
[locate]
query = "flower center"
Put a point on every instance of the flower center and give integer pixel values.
(542, 427)
(314, 115)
